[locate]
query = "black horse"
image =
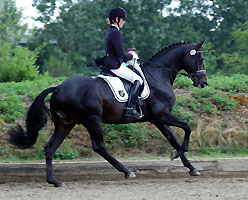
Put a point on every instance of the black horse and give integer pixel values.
(89, 101)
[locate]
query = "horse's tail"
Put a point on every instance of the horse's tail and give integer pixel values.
(35, 121)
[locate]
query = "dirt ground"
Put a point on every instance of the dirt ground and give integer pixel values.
(196, 188)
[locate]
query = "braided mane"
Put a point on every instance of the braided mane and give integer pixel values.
(163, 50)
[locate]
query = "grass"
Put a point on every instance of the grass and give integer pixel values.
(219, 152)
(211, 153)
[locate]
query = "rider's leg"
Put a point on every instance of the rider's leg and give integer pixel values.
(136, 89)
(128, 74)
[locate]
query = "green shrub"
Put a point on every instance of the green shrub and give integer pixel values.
(126, 135)
(17, 64)
(234, 83)
(16, 96)
(207, 106)
(206, 92)
(66, 154)
(11, 108)
(182, 113)
(223, 102)
(182, 82)
(112, 138)
(188, 101)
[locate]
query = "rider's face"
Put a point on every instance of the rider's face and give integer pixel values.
(122, 22)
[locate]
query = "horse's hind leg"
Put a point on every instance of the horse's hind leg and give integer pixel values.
(60, 132)
(168, 133)
(95, 130)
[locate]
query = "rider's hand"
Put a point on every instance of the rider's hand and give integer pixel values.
(133, 62)
(135, 56)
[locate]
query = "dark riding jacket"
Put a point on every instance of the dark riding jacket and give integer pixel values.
(115, 54)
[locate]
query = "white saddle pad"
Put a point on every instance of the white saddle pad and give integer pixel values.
(119, 91)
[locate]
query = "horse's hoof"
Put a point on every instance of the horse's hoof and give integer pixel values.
(56, 183)
(194, 172)
(59, 184)
(174, 155)
(130, 175)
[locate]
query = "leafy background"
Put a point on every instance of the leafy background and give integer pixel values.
(69, 44)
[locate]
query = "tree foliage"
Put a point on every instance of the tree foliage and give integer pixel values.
(17, 63)
(237, 61)
(80, 28)
(10, 28)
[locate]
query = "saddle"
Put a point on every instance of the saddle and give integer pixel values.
(121, 87)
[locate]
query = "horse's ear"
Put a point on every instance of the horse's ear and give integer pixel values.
(198, 46)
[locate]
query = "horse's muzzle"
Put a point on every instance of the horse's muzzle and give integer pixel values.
(200, 82)
(204, 84)
(200, 79)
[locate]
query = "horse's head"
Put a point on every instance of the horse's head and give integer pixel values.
(193, 64)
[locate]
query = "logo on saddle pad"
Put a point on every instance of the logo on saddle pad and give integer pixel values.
(119, 91)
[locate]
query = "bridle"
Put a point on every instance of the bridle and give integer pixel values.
(193, 76)
(197, 72)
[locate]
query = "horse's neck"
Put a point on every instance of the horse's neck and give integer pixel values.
(159, 73)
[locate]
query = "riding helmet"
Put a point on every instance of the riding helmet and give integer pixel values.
(117, 12)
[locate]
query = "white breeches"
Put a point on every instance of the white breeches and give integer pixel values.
(128, 74)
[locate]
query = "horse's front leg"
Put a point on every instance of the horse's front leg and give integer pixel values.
(171, 120)
(168, 133)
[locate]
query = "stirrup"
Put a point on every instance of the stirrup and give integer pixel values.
(131, 112)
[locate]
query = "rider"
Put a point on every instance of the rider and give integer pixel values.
(115, 55)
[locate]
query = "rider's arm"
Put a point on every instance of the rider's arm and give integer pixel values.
(118, 46)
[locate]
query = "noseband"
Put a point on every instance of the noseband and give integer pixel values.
(195, 74)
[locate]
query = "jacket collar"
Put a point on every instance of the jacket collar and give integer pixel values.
(112, 25)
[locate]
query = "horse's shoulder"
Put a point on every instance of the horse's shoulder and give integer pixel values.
(168, 91)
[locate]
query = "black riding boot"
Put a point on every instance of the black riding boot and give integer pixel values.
(131, 105)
